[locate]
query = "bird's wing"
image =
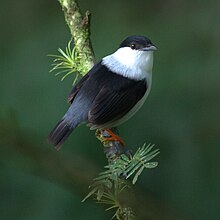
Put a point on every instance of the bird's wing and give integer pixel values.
(115, 99)
(81, 82)
(76, 88)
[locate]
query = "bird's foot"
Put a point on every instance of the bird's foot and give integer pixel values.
(113, 137)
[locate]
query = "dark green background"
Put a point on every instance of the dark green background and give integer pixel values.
(181, 115)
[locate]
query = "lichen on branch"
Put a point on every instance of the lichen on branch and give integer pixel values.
(80, 30)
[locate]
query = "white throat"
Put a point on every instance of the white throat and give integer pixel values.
(133, 64)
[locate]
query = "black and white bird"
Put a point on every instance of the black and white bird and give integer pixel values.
(111, 92)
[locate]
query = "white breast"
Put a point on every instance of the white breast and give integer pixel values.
(133, 64)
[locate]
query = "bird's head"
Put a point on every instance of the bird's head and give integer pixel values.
(136, 52)
(134, 57)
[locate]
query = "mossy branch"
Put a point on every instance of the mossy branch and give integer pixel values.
(80, 30)
(113, 185)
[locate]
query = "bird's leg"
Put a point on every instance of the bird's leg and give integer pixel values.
(113, 137)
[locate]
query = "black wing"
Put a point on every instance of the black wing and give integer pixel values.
(82, 82)
(108, 96)
(76, 88)
(115, 99)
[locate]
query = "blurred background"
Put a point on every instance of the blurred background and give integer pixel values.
(181, 116)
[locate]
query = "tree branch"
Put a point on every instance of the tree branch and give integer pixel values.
(80, 30)
(111, 187)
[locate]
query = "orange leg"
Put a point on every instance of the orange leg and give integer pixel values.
(114, 137)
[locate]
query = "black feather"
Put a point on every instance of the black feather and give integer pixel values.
(60, 133)
(75, 90)
(116, 98)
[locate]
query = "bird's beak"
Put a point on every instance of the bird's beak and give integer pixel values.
(150, 48)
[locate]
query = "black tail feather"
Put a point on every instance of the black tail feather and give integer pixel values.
(60, 133)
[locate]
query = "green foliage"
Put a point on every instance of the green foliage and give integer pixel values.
(115, 181)
(68, 62)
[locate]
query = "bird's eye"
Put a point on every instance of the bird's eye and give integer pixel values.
(133, 46)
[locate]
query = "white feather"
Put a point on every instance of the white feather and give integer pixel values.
(133, 64)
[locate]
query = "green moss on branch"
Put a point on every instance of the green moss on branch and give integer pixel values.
(80, 31)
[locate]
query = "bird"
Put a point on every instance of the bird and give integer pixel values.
(111, 92)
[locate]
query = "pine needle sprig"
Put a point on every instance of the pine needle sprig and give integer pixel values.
(139, 161)
(68, 62)
(108, 187)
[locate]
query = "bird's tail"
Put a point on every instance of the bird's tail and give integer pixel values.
(60, 133)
